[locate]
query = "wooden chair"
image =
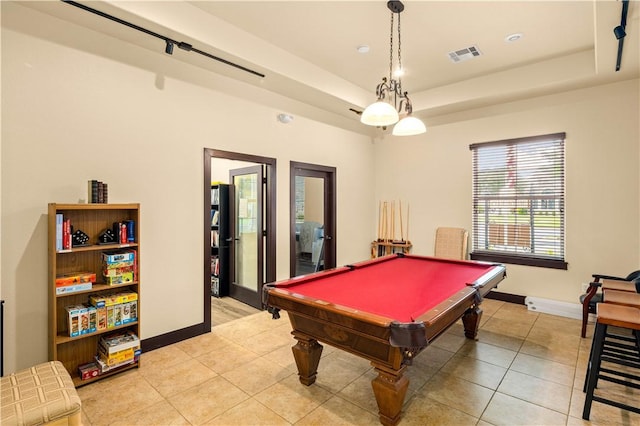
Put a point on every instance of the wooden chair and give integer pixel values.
(617, 351)
(592, 297)
(451, 243)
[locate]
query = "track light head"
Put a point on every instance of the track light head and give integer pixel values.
(169, 48)
(619, 32)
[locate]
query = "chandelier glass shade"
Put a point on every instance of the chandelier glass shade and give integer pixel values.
(392, 100)
(380, 113)
(409, 126)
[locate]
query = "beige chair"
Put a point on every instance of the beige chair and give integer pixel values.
(40, 395)
(451, 243)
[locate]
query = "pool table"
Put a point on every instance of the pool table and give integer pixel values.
(386, 310)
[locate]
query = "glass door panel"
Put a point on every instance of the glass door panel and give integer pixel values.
(248, 235)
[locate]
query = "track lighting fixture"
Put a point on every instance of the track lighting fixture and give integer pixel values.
(169, 43)
(620, 32)
(392, 99)
(169, 48)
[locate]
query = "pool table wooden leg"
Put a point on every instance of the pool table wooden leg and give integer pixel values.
(390, 388)
(471, 321)
(307, 355)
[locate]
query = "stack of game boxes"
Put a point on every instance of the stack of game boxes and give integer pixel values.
(118, 349)
(119, 267)
(82, 319)
(115, 309)
(74, 282)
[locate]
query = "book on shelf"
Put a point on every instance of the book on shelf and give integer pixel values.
(215, 217)
(59, 220)
(215, 196)
(93, 191)
(98, 192)
(64, 232)
(215, 266)
(214, 238)
(215, 286)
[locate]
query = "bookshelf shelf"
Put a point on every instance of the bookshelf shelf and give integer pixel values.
(96, 287)
(62, 339)
(97, 247)
(93, 220)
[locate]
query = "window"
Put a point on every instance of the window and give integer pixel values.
(518, 201)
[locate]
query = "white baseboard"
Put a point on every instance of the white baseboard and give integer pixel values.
(554, 307)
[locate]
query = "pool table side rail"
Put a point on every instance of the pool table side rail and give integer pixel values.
(276, 296)
(389, 257)
(447, 312)
(490, 279)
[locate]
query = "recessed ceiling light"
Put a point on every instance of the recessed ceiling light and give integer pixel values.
(513, 37)
(363, 48)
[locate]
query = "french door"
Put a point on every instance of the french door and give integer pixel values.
(248, 234)
(313, 218)
(245, 284)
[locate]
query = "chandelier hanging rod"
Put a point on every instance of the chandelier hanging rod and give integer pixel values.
(392, 99)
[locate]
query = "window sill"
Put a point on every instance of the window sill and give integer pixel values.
(515, 259)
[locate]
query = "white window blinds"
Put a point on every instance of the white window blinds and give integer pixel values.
(518, 201)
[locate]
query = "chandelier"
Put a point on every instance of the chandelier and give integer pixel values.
(392, 100)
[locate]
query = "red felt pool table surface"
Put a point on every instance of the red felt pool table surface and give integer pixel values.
(397, 287)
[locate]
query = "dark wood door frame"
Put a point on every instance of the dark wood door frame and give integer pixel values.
(329, 174)
(269, 219)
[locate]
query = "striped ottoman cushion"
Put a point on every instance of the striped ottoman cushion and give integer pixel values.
(38, 395)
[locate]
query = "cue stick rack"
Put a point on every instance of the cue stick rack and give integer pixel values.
(386, 242)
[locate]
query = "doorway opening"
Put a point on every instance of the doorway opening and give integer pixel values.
(313, 218)
(239, 227)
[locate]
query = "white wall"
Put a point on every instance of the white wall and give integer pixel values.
(77, 105)
(432, 172)
(70, 114)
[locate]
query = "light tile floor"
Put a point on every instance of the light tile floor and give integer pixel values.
(525, 369)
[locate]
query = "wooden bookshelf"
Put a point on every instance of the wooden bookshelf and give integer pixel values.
(220, 245)
(92, 219)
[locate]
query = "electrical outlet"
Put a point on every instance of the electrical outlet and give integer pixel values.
(585, 287)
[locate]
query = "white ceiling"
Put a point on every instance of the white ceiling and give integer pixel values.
(307, 49)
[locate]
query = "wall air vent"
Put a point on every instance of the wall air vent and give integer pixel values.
(464, 54)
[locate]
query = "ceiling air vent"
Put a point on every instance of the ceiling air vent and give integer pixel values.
(464, 54)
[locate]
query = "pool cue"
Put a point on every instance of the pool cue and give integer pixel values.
(379, 221)
(384, 221)
(393, 220)
(385, 230)
(408, 223)
(401, 230)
